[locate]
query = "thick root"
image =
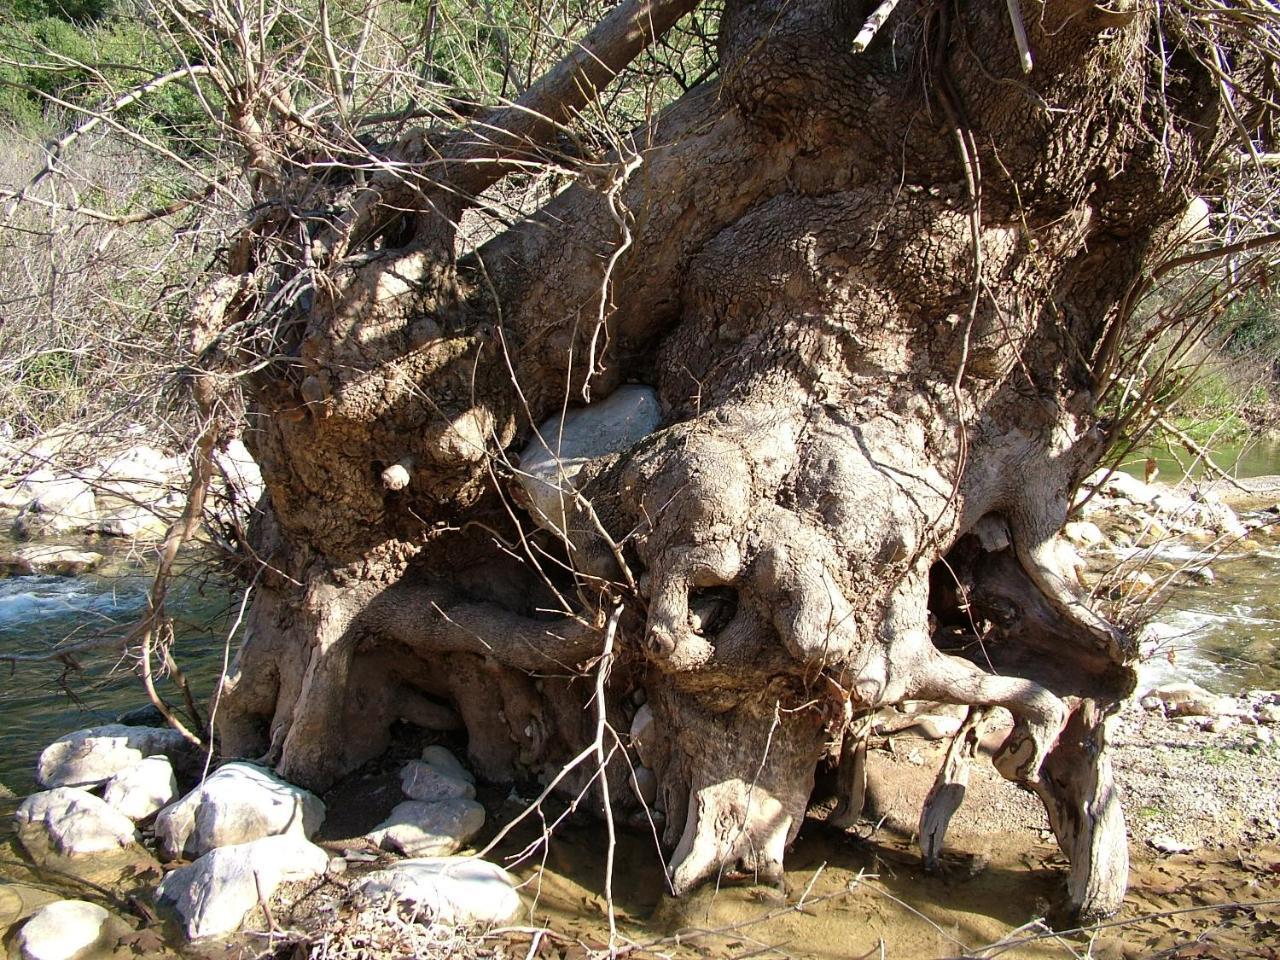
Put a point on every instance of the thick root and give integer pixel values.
(851, 774)
(949, 787)
(736, 786)
(1084, 808)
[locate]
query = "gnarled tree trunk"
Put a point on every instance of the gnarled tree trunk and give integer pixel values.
(876, 294)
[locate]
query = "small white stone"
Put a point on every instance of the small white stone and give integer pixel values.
(447, 891)
(61, 930)
(143, 789)
(642, 733)
(75, 822)
(442, 759)
(423, 781)
(418, 829)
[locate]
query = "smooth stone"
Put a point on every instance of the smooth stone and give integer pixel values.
(60, 505)
(642, 730)
(57, 561)
(215, 894)
(418, 829)
(1084, 533)
(75, 822)
(443, 760)
(563, 446)
(143, 789)
(422, 781)
(645, 782)
(132, 523)
(62, 930)
(446, 890)
(139, 464)
(93, 756)
(241, 470)
(239, 803)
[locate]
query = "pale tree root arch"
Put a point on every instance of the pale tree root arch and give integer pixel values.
(877, 367)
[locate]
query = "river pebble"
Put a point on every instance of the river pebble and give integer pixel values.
(239, 802)
(62, 930)
(422, 781)
(75, 822)
(143, 789)
(90, 757)
(215, 894)
(418, 829)
(445, 890)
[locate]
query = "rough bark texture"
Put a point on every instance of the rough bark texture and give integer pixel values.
(869, 291)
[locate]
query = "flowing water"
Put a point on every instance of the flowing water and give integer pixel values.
(41, 701)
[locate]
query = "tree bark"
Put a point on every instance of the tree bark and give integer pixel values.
(868, 291)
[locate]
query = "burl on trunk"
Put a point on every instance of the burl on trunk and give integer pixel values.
(842, 317)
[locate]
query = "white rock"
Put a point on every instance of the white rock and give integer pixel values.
(1268, 713)
(61, 505)
(1174, 693)
(447, 891)
(142, 789)
(562, 447)
(132, 523)
(418, 829)
(1222, 724)
(1167, 843)
(93, 756)
(422, 781)
(1084, 533)
(139, 465)
(241, 470)
(642, 732)
(48, 560)
(61, 930)
(444, 761)
(215, 894)
(239, 803)
(75, 822)
(1120, 484)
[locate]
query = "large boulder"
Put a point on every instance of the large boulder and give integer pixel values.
(215, 894)
(445, 890)
(72, 822)
(62, 930)
(418, 829)
(143, 789)
(59, 505)
(239, 803)
(90, 757)
(49, 560)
